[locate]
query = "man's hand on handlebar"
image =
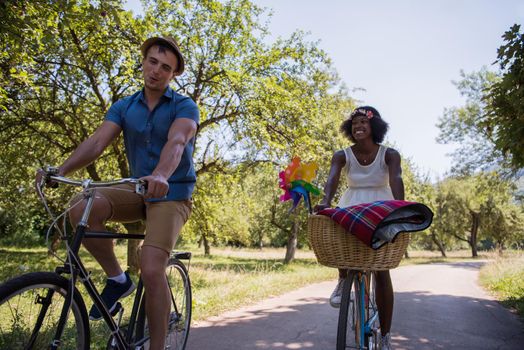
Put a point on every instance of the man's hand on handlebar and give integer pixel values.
(42, 177)
(157, 186)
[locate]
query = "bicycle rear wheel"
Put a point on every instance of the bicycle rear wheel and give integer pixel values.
(180, 314)
(30, 308)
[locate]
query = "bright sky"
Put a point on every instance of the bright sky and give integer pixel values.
(405, 54)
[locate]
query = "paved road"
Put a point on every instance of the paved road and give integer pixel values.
(438, 306)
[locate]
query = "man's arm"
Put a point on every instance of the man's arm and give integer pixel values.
(91, 149)
(180, 133)
(395, 173)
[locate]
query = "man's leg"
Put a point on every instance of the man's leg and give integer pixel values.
(118, 203)
(153, 262)
(101, 249)
(384, 297)
(163, 225)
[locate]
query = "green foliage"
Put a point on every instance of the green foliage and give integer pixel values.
(504, 117)
(490, 126)
(260, 102)
(463, 126)
(503, 221)
(66, 62)
(488, 196)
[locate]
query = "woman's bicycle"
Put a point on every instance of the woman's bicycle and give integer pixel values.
(358, 320)
(45, 310)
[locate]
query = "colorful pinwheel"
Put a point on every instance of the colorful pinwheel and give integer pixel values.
(296, 182)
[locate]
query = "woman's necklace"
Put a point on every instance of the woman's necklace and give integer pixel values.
(366, 158)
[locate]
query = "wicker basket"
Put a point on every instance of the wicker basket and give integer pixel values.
(335, 247)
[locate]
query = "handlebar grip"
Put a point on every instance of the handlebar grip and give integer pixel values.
(45, 176)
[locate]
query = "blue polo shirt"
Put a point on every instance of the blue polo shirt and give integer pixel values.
(145, 134)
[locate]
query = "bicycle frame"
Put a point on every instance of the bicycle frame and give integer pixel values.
(364, 284)
(74, 266)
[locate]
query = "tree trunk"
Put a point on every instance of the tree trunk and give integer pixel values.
(475, 221)
(406, 254)
(133, 245)
(291, 245)
(439, 244)
(260, 242)
(207, 249)
(500, 247)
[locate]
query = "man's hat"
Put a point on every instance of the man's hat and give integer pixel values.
(169, 42)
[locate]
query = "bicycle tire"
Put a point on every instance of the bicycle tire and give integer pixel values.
(357, 312)
(346, 312)
(180, 313)
(18, 297)
(372, 338)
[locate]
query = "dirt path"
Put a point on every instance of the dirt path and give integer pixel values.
(438, 306)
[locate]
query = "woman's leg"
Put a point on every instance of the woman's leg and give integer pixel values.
(384, 297)
(336, 296)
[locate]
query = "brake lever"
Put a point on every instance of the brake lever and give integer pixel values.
(141, 187)
(50, 171)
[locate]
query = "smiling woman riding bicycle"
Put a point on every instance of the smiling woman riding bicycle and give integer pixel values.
(373, 173)
(159, 126)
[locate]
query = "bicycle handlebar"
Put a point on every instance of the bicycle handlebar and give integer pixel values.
(50, 175)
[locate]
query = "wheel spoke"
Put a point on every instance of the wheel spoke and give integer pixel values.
(30, 308)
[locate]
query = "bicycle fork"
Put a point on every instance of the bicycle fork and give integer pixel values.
(367, 330)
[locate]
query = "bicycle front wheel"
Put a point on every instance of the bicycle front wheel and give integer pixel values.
(180, 313)
(347, 317)
(373, 322)
(30, 308)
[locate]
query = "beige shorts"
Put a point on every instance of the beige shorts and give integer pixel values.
(164, 220)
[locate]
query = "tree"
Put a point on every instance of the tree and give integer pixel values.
(62, 64)
(503, 222)
(260, 102)
(503, 119)
(462, 125)
(490, 126)
(470, 208)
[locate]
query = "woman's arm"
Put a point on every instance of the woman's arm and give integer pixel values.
(337, 163)
(395, 173)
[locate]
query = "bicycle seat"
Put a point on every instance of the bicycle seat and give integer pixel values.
(181, 255)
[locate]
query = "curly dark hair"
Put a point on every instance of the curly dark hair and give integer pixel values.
(379, 127)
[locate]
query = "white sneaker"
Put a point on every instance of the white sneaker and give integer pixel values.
(385, 342)
(336, 296)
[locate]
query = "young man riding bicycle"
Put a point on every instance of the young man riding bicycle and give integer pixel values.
(159, 126)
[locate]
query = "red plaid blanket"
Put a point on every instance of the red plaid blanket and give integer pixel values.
(378, 223)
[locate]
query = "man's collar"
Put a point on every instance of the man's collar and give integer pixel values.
(168, 93)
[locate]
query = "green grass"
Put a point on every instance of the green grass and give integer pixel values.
(223, 281)
(504, 277)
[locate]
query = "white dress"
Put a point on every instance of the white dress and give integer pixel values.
(367, 183)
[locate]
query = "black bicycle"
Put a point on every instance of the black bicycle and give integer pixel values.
(45, 310)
